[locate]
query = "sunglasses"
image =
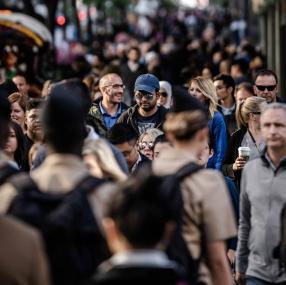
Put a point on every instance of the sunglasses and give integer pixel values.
(139, 95)
(163, 94)
(264, 87)
(143, 145)
(256, 113)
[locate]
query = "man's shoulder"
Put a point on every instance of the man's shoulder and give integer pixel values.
(129, 111)
(14, 228)
(94, 109)
(163, 110)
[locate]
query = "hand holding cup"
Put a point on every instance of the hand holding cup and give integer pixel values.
(243, 156)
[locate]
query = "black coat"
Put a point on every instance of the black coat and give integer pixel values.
(232, 153)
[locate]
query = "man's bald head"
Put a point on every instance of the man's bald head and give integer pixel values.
(108, 80)
(111, 88)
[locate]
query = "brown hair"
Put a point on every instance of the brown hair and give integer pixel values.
(184, 125)
(19, 98)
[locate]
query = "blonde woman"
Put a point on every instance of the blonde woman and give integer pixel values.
(100, 161)
(248, 134)
(204, 90)
(146, 142)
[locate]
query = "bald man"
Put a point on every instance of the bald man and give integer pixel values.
(105, 112)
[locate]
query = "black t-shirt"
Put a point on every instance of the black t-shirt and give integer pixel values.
(145, 123)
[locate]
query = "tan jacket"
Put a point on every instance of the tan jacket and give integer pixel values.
(22, 258)
(206, 202)
(58, 173)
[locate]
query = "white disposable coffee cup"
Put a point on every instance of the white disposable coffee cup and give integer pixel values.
(244, 151)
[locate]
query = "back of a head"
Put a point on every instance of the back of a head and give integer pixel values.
(182, 101)
(184, 125)
(121, 133)
(5, 110)
(250, 105)
(75, 87)
(64, 122)
(9, 86)
(140, 211)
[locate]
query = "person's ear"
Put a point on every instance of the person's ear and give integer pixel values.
(111, 234)
(203, 134)
(230, 90)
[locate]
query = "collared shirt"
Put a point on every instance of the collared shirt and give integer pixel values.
(133, 168)
(228, 111)
(142, 257)
(110, 120)
(271, 164)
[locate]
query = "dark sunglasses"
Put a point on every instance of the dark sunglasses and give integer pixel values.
(256, 113)
(143, 145)
(264, 87)
(139, 95)
(163, 94)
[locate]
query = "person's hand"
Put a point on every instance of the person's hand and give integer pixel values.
(231, 256)
(239, 163)
(240, 278)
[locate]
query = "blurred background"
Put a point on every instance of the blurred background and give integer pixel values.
(57, 39)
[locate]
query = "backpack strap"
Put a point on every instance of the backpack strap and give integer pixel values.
(23, 182)
(88, 184)
(187, 170)
(6, 171)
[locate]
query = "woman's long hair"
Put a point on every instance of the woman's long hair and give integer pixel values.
(250, 105)
(105, 158)
(207, 88)
(19, 153)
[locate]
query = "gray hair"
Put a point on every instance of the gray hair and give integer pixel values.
(274, 106)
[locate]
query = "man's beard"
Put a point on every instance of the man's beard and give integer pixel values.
(147, 108)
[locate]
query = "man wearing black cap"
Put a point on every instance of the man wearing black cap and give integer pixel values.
(145, 114)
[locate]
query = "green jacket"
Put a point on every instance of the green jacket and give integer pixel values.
(95, 118)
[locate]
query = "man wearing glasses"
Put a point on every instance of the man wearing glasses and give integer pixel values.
(145, 114)
(105, 112)
(266, 85)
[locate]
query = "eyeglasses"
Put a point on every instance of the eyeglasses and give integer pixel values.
(143, 145)
(163, 94)
(115, 86)
(264, 87)
(256, 113)
(139, 95)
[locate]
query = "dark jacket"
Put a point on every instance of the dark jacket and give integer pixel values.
(149, 270)
(129, 117)
(230, 121)
(232, 153)
(95, 118)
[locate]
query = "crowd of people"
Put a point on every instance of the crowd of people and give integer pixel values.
(165, 164)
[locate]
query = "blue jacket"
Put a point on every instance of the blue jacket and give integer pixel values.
(218, 134)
